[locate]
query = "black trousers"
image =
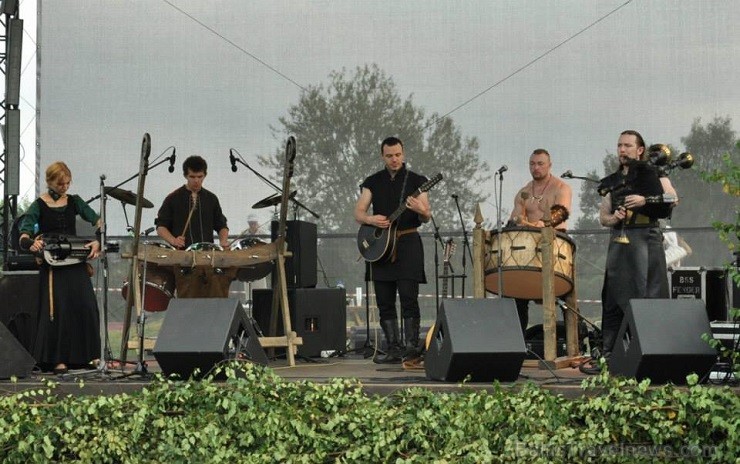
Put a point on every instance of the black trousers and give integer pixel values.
(408, 292)
(522, 308)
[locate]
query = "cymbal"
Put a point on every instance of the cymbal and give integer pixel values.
(127, 196)
(272, 200)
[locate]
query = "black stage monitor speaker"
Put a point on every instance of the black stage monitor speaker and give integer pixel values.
(14, 359)
(660, 339)
(481, 338)
(19, 294)
(198, 333)
(300, 269)
(318, 315)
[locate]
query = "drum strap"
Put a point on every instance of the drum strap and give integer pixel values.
(400, 233)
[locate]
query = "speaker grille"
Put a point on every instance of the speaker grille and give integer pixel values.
(481, 338)
(661, 339)
(198, 333)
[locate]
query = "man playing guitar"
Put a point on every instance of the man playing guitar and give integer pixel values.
(403, 271)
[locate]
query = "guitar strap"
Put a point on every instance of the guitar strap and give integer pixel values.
(403, 232)
(403, 188)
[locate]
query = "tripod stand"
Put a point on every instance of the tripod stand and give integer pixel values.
(368, 349)
(105, 353)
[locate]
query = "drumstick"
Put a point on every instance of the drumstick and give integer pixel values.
(190, 215)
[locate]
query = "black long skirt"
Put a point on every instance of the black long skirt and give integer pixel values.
(70, 335)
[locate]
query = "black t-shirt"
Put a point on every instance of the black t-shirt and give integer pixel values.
(387, 194)
(206, 219)
(409, 263)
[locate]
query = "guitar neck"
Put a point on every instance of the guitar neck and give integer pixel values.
(445, 273)
(424, 188)
(402, 207)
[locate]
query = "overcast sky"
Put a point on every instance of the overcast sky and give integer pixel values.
(210, 76)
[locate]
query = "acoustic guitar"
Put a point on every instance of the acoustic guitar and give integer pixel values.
(377, 244)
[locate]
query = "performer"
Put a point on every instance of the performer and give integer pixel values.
(402, 274)
(636, 269)
(254, 226)
(190, 215)
(68, 330)
(543, 189)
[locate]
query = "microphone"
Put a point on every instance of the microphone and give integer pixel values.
(502, 169)
(567, 174)
(232, 158)
(454, 196)
(171, 168)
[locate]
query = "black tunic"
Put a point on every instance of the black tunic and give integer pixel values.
(386, 197)
(207, 216)
(72, 336)
(633, 270)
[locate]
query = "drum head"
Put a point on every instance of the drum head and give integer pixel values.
(521, 263)
(254, 272)
(204, 246)
(247, 242)
(160, 245)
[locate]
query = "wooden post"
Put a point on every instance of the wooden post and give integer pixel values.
(134, 294)
(479, 255)
(549, 319)
(280, 292)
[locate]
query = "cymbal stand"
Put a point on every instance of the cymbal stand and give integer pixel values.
(129, 228)
(296, 204)
(170, 159)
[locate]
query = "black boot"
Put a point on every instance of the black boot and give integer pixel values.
(411, 336)
(393, 353)
(609, 338)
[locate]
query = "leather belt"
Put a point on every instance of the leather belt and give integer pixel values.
(400, 233)
(639, 220)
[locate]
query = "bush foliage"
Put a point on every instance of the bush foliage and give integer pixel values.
(256, 416)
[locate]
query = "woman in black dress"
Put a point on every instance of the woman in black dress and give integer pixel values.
(68, 321)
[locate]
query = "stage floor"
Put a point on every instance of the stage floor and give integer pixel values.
(381, 379)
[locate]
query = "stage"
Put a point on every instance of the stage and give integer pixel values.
(376, 379)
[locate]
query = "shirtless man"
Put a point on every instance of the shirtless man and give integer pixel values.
(543, 189)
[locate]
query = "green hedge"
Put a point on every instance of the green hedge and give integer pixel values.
(256, 416)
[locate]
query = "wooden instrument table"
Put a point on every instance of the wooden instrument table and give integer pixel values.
(257, 254)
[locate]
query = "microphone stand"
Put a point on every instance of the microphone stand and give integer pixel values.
(437, 241)
(130, 178)
(105, 354)
(277, 189)
(499, 230)
(466, 247)
(567, 175)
